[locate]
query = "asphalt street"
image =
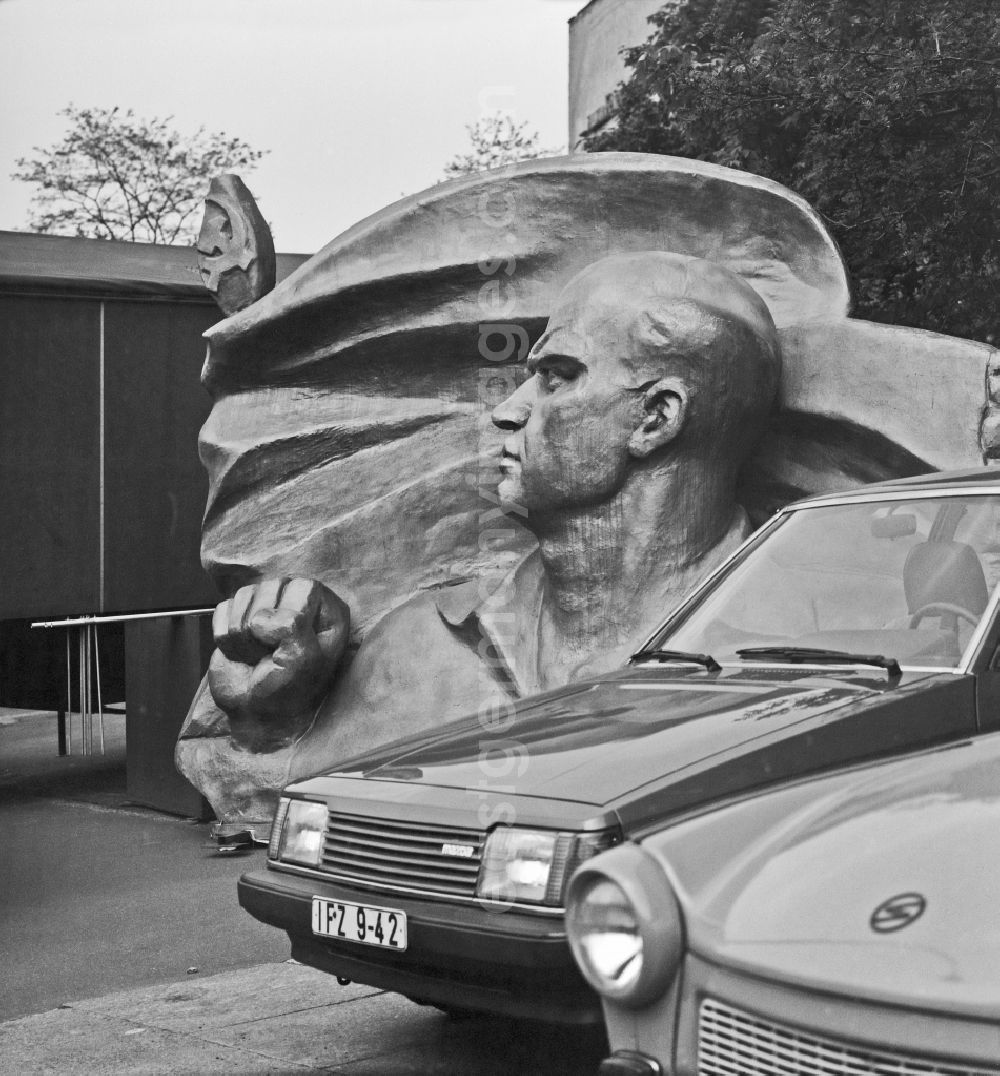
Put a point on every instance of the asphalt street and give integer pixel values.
(125, 951)
(99, 895)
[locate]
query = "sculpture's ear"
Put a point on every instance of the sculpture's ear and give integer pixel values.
(665, 405)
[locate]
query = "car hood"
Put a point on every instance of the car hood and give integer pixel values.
(600, 742)
(881, 882)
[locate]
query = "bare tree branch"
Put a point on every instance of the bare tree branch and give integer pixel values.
(115, 175)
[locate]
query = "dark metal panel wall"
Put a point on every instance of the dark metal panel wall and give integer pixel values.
(52, 361)
(165, 660)
(49, 450)
(155, 486)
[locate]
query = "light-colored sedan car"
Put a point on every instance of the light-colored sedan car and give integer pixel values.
(844, 924)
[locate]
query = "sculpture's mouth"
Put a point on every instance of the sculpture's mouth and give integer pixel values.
(509, 461)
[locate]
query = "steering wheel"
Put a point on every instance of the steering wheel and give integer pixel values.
(942, 609)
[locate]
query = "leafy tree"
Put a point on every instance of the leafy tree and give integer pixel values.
(883, 114)
(495, 141)
(114, 175)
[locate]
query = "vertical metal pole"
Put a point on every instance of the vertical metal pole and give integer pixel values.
(102, 540)
(79, 687)
(90, 704)
(69, 699)
(101, 466)
(97, 676)
(81, 646)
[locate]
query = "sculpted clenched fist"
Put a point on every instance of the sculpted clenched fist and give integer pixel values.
(279, 642)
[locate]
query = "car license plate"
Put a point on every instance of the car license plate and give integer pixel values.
(385, 927)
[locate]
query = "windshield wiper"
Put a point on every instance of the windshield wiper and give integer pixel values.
(818, 656)
(655, 654)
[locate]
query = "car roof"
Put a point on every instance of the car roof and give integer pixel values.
(936, 481)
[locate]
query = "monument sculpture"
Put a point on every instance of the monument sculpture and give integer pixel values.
(391, 563)
(235, 248)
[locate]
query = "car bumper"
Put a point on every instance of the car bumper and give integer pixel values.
(458, 955)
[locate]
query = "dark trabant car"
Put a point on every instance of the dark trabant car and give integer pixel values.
(842, 924)
(849, 627)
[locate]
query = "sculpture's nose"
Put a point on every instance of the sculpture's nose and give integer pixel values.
(513, 412)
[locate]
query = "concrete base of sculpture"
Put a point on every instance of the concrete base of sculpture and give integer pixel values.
(242, 788)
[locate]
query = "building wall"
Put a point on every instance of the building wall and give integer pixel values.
(99, 473)
(596, 36)
(101, 487)
(100, 408)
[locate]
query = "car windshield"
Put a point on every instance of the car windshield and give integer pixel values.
(908, 579)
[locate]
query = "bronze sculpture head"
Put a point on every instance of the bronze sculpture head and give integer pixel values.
(649, 360)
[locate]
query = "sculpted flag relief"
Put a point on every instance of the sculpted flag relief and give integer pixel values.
(416, 517)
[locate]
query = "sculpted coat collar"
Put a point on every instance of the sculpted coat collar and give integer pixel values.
(501, 620)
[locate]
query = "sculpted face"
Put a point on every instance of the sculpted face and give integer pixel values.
(568, 425)
(638, 348)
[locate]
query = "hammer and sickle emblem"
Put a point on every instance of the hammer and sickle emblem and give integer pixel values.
(235, 248)
(224, 240)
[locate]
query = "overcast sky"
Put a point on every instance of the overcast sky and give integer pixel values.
(359, 101)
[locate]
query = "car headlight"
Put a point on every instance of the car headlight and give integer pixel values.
(625, 926)
(530, 866)
(298, 831)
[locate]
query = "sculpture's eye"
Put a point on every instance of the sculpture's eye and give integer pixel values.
(555, 375)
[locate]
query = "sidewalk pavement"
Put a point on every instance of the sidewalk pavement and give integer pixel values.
(278, 1019)
(273, 1018)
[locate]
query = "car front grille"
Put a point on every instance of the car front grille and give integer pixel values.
(735, 1043)
(413, 856)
